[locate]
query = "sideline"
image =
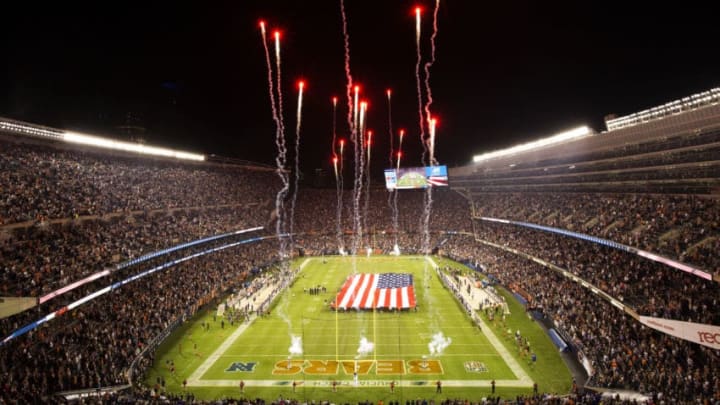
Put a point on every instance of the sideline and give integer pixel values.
(524, 379)
(194, 379)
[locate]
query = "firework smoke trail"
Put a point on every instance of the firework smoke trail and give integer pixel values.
(301, 87)
(271, 87)
(418, 80)
(348, 75)
(278, 83)
(295, 348)
(366, 347)
(279, 141)
(392, 193)
(281, 159)
(341, 201)
(353, 130)
(359, 177)
(428, 196)
(338, 179)
(359, 150)
(428, 90)
(438, 344)
(431, 121)
(367, 186)
(395, 194)
(402, 134)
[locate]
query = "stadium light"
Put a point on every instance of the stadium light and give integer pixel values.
(24, 129)
(692, 102)
(561, 137)
(27, 129)
(107, 143)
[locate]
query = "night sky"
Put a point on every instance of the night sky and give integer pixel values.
(195, 75)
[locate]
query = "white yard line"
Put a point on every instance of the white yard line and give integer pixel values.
(194, 378)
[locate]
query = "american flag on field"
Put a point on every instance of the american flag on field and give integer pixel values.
(367, 291)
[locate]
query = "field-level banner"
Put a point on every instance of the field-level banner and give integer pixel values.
(706, 335)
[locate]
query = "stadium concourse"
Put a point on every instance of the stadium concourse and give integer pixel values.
(650, 183)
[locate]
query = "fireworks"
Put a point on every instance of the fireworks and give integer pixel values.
(357, 120)
(418, 81)
(432, 126)
(428, 90)
(399, 154)
(301, 88)
(356, 92)
(426, 118)
(342, 151)
(280, 160)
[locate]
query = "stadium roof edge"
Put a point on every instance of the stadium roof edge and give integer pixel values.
(566, 136)
(39, 132)
(689, 103)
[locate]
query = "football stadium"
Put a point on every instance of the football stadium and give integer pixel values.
(576, 267)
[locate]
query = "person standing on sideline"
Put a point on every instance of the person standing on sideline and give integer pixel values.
(294, 385)
(242, 386)
(439, 387)
(392, 386)
(492, 386)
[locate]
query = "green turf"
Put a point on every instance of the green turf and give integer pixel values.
(400, 337)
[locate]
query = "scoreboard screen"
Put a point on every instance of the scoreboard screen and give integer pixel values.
(416, 177)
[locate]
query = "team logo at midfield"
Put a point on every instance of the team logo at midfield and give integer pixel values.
(248, 367)
(475, 367)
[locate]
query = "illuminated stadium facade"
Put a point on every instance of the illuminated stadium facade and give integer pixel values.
(114, 252)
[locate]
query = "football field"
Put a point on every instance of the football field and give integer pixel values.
(305, 349)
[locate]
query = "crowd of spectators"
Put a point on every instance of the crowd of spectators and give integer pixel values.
(39, 259)
(42, 182)
(94, 345)
(316, 211)
(66, 214)
(651, 288)
(622, 352)
(683, 227)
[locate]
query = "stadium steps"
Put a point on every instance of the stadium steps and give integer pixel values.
(639, 230)
(550, 217)
(591, 223)
(668, 236)
(708, 241)
(615, 224)
(520, 213)
(534, 217)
